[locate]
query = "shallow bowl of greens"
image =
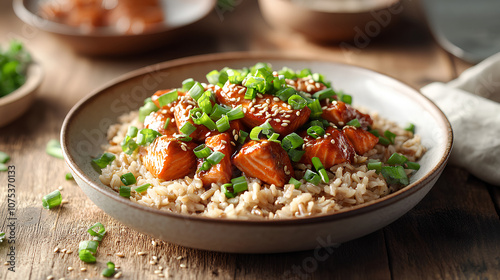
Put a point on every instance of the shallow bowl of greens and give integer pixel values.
(85, 127)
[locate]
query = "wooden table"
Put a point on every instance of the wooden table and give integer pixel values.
(453, 233)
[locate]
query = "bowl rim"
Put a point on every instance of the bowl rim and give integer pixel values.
(34, 77)
(262, 56)
(34, 20)
(380, 6)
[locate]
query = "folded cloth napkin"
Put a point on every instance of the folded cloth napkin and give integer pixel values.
(469, 103)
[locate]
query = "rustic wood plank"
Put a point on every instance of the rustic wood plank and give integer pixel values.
(452, 233)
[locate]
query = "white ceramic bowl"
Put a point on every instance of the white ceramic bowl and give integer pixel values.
(85, 126)
(13, 105)
(107, 41)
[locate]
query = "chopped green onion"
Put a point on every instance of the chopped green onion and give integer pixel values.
(219, 110)
(202, 118)
(316, 110)
(374, 132)
(374, 165)
(390, 136)
(129, 145)
(223, 124)
(148, 136)
(90, 245)
(274, 138)
(69, 176)
(410, 128)
(397, 159)
(236, 113)
(317, 163)
(146, 110)
(297, 102)
(202, 151)
(2, 236)
(279, 82)
(4, 157)
(53, 148)
(99, 234)
(306, 72)
(125, 191)
(317, 77)
(128, 179)
(167, 122)
(295, 182)
(295, 155)
(285, 93)
(239, 184)
(292, 141)
(148, 100)
(243, 136)
(142, 188)
(104, 160)
(196, 91)
(412, 165)
(250, 93)
(217, 78)
(205, 103)
(257, 83)
(187, 128)
(235, 76)
(346, 98)
(226, 190)
(315, 131)
(266, 125)
(110, 271)
(254, 133)
(187, 84)
(205, 166)
(319, 123)
(167, 98)
(86, 256)
(354, 122)
(3, 167)
(324, 176)
(215, 157)
(183, 137)
(312, 177)
(395, 175)
(383, 141)
(52, 200)
(325, 93)
(288, 73)
(132, 131)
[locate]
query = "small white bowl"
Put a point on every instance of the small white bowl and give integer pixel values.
(13, 105)
(85, 127)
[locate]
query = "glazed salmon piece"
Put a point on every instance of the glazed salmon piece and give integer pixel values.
(333, 148)
(221, 172)
(265, 160)
(168, 158)
(281, 116)
(181, 113)
(156, 121)
(361, 140)
(341, 113)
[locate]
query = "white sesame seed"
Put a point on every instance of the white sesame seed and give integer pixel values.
(287, 172)
(153, 242)
(83, 269)
(161, 275)
(155, 258)
(117, 266)
(152, 262)
(277, 120)
(223, 142)
(120, 255)
(297, 113)
(50, 277)
(284, 124)
(141, 253)
(332, 141)
(64, 250)
(244, 110)
(236, 138)
(160, 267)
(60, 188)
(69, 252)
(183, 148)
(157, 271)
(179, 257)
(5, 263)
(260, 95)
(118, 275)
(183, 265)
(286, 121)
(70, 268)
(56, 249)
(232, 143)
(276, 99)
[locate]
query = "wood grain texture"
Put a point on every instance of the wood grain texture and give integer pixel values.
(453, 233)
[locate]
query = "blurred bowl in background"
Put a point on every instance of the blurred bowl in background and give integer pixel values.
(332, 20)
(110, 41)
(13, 105)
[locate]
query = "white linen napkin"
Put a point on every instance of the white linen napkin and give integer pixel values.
(469, 103)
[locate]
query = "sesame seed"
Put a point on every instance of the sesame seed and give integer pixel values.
(152, 262)
(56, 249)
(287, 116)
(276, 99)
(284, 124)
(268, 101)
(223, 142)
(236, 138)
(254, 100)
(260, 95)
(83, 269)
(244, 110)
(324, 107)
(50, 277)
(118, 275)
(70, 268)
(287, 172)
(179, 257)
(332, 141)
(160, 267)
(117, 266)
(232, 143)
(297, 113)
(286, 121)
(120, 255)
(155, 258)
(153, 243)
(141, 253)
(183, 265)
(311, 81)
(64, 250)
(60, 188)
(157, 271)
(5, 263)
(69, 252)
(317, 85)
(277, 120)
(183, 148)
